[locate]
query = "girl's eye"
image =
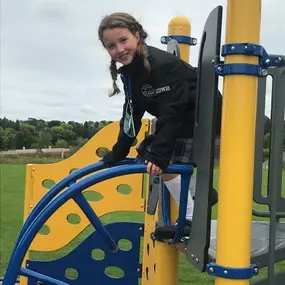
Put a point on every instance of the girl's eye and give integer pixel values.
(123, 40)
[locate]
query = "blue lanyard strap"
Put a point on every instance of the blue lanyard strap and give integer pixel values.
(128, 91)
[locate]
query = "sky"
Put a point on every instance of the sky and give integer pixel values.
(53, 66)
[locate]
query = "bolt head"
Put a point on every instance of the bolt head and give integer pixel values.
(156, 180)
(264, 72)
(197, 260)
(256, 270)
(225, 272)
(163, 39)
(219, 68)
(267, 60)
(212, 269)
(194, 41)
(232, 47)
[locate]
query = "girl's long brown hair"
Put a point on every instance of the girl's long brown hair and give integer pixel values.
(124, 20)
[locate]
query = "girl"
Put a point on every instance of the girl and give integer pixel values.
(161, 84)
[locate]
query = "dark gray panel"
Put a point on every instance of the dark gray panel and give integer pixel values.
(173, 47)
(153, 194)
(276, 144)
(204, 139)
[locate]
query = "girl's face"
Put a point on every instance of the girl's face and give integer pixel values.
(121, 44)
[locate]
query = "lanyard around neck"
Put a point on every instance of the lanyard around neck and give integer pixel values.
(128, 91)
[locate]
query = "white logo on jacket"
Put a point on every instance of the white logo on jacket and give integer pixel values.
(148, 91)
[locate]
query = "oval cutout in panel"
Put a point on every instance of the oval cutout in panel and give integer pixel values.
(71, 274)
(45, 230)
(125, 244)
(101, 151)
(98, 254)
(73, 219)
(114, 272)
(73, 170)
(93, 196)
(124, 189)
(48, 183)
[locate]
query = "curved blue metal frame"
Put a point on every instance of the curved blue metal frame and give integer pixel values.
(56, 189)
(24, 241)
(165, 203)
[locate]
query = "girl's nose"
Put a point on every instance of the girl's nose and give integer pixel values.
(120, 48)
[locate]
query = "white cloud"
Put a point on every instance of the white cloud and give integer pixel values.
(54, 67)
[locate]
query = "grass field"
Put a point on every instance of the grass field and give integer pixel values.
(12, 197)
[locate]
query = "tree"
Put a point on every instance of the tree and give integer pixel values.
(19, 140)
(44, 140)
(266, 141)
(7, 136)
(29, 132)
(54, 123)
(61, 144)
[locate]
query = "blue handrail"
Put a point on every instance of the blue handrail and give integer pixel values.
(27, 238)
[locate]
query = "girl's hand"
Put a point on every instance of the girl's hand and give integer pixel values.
(153, 169)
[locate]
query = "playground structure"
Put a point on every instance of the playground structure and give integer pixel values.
(242, 246)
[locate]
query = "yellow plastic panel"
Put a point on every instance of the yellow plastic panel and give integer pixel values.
(112, 200)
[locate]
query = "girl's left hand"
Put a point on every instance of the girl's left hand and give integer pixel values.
(153, 169)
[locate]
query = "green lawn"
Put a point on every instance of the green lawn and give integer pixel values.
(12, 197)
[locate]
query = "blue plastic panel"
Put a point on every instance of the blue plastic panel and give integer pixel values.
(91, 271)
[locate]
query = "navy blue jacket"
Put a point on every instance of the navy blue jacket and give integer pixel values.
(168, 92)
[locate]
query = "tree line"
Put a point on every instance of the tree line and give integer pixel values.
(38, 134)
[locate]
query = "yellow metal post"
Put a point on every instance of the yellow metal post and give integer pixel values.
(237, 144)
(167, 256)
(180, 26)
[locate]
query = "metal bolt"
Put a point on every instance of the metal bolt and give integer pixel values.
(194, 41)
(138, 270)
(212, 269)
(197, 260)
(213, 61)
(192, 255)
(256, 270)
(232, 47)
(225, 272)
(245, 47)
(156, 180)
(267, 60)
(185, 249)
(140, 228)
(219, 68)
(264, 72)
(163, 39)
